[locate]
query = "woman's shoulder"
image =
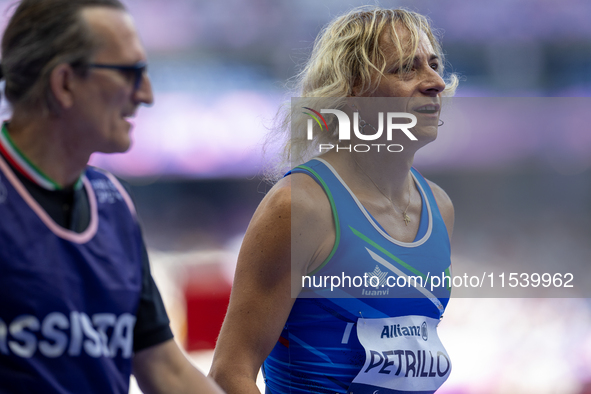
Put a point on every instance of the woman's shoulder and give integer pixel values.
(299, 198)
(298, 191)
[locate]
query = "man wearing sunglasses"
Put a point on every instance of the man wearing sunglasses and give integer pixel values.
(79, 310)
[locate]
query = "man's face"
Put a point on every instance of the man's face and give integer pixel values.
(106, 98)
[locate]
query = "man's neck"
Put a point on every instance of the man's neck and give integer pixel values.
(42, 144)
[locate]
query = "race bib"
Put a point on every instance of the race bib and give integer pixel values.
(402, 354)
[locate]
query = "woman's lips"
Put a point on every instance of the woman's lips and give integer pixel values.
(427, 109)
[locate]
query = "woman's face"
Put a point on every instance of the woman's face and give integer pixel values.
(416, 90)
(422, 79)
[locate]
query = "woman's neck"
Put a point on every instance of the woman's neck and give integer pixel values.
(385, 173)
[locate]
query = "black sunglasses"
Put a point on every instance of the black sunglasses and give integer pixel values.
(137, 70)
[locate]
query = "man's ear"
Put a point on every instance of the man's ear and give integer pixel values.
(61, 81)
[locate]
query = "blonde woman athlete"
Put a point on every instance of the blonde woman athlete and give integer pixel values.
(348, 213)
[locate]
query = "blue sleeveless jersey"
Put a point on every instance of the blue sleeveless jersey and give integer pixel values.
(68, 300)
(320, 349)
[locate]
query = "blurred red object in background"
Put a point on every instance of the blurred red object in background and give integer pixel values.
(207, 293)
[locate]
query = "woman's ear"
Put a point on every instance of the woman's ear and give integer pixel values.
(356, 88)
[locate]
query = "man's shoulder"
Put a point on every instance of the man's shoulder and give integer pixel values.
(96, 173)
(108, 187)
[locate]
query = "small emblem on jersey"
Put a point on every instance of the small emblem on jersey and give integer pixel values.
(3, 192)
(424, 332)
(380, 276)
(105, 191)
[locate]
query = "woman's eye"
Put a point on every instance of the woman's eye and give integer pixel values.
(403, 69)
(435, 66)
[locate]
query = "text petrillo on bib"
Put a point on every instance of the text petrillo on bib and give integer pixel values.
(402, 354)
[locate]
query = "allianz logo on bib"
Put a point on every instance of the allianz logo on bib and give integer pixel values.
(57, 335)
(395, 331)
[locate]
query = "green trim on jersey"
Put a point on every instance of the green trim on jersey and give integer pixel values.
(448, 273)
(334, 214)
(375, 245)
(407, 266)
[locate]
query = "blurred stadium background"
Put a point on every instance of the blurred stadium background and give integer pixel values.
(219, 70)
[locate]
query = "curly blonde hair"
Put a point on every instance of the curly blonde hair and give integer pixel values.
(346, 55)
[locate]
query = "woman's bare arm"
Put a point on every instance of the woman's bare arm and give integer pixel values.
(261, 297)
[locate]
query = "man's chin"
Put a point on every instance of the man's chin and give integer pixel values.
(122, 141)
(117, 147)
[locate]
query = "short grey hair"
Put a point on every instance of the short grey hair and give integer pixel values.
(40, 35)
